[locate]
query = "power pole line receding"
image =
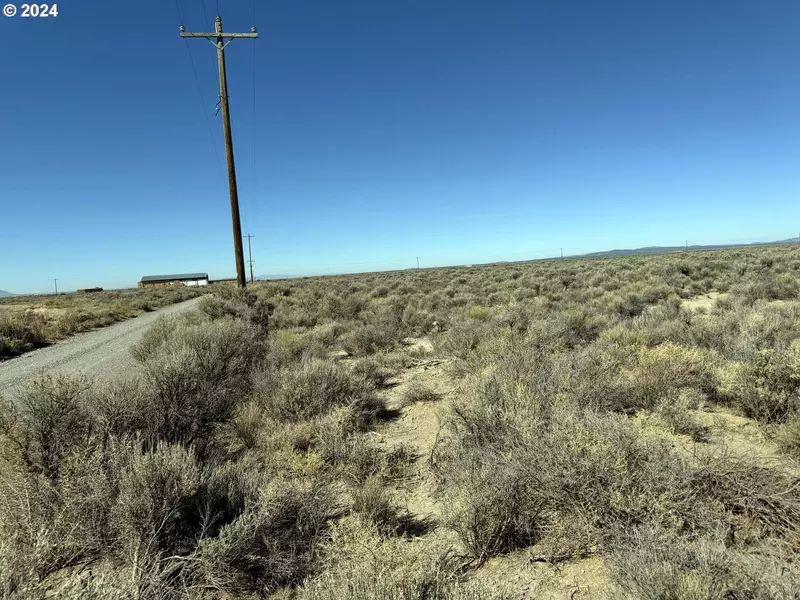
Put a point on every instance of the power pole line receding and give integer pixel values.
(218, 39)
(250, 256)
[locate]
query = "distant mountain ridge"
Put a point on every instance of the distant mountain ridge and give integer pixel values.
(665, 249)
(5, 294)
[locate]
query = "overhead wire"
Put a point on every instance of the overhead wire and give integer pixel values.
(199, 88)
(205, 12)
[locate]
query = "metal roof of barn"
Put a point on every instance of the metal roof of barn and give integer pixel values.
(179, 277)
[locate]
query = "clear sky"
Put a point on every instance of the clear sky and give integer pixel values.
(456, 131)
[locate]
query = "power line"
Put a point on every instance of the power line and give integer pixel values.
(203, 104)
(199, 87)
(205, 12)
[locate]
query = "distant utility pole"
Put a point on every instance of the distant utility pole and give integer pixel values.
(250, 256)
(418, 263)
(55, 282)
(562, 253)
(687, 245)
(218, 39)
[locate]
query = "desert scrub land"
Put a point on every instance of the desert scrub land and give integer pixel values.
(610, 428)
(29, 322)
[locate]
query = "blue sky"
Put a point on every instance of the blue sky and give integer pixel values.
(458, 132)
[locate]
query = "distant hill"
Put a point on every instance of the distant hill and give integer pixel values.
(665, 249)
(273, 277)
(5, 294)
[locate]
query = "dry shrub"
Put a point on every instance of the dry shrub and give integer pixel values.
(368, 339)
(363, 565)
(47, 525)
(195, 377)
(152, 510)
(509, 485)
(340, 446)
(272, 544)
(760, 501)
(463, 338)
(315, 387)
(418, 392)
(21, 331)
(651, 564)
(788, 436)
(768, 388)
(244, 304)
(675, 410)
(244, 431)
(372, 500)
(51, 420)
(374, 370)
(665, 369)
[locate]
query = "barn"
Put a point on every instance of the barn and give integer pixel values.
(180, 279)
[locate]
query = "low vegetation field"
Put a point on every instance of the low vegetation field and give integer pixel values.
(29, 322)
(623, 428)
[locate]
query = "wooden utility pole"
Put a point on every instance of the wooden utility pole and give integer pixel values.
(55, 282)
(250, 256)
(218, 39)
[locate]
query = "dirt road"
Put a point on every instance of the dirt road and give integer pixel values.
(101, 353)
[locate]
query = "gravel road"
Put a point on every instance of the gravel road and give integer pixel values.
(101, 353)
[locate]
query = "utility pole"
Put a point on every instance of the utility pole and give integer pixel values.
(218, 39)
(562, 253)
(418, 263)
(55, 282)
(250, 256)
(687, 245)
